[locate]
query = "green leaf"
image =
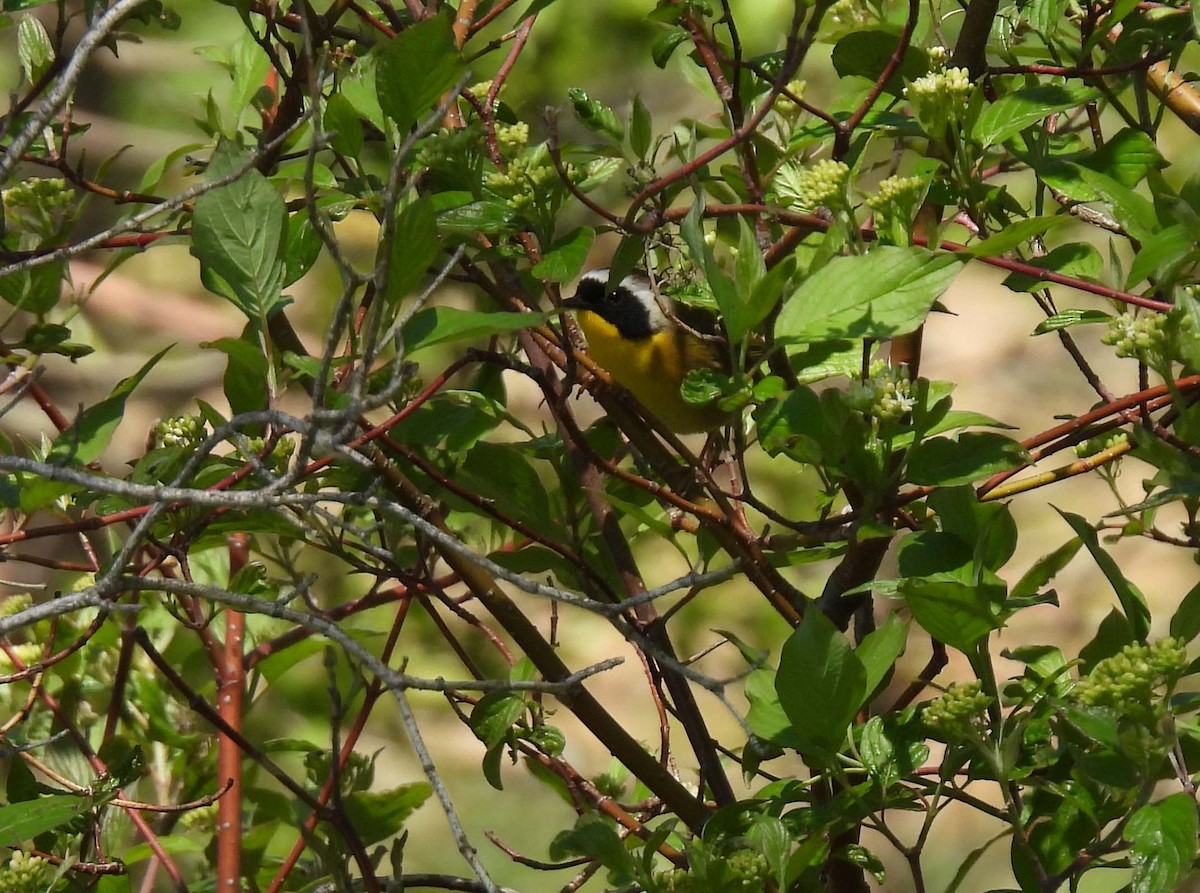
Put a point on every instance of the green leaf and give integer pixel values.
(26, 820)
(1013, 112)
(89, 436)
(886, 292)
(414, 246)
(36, 290)
(596, 116)
(472, 218)
(566, 256)
(641, 131)
(1126, 157)
(941, 461)
(501, 473)
(439, 325)
(1132, 602)
(1162, 839)
(415, 68)
(766, 717)
(376, 815)
(596, 837)
(1185, 622)
(665, 44)
(866, 53)
(302, 250)
(238, 234)
(1161, 256)
(952, 611)
(359, 88)
(33, 47)
(1045, 569)
(1072, 317)
(821, 683)
(1078, 259)
(728, 302)
(880, 649)
(246, 373)
(1014, 235)
(342, 119)
(1131, 210)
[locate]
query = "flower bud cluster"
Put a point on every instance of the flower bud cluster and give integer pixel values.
(895, 206)
(1151, 338)
(277, 460)
(958, 710)
(744, 870)
(39, 207)
(1094, 445)
(521, 182)
(1127, 681)
(512, 137)
(809, 188)
(885, 395)
(848, 13)
(180, 431)
(25, 873)
(26, 654)
(784, 104)
(939, 98)
(449, 146)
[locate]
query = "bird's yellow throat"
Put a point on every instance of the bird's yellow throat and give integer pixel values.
(653, 368)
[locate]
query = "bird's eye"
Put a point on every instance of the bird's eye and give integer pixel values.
(612, 297)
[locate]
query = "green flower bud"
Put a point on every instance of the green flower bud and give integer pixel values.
(958, 711)
(806, 189)
(26, 874)
(1135, 681)
(40, 207)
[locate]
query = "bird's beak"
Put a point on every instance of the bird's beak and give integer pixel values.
(571, 303)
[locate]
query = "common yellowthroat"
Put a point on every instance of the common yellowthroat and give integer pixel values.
(649, 344)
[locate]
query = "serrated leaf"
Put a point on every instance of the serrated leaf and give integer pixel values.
(886, 292)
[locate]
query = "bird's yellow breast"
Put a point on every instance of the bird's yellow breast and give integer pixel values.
(653, 368)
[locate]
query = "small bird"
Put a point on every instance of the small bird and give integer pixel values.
(649, 344)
